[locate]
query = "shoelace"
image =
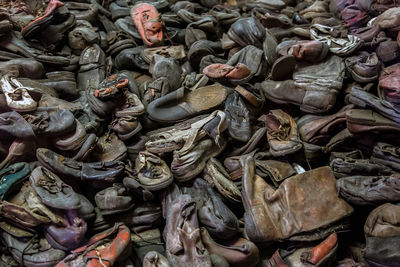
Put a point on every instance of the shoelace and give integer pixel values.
(100, 259)
(281, 133)
(40, 121)
(30, 243)
(50, 183)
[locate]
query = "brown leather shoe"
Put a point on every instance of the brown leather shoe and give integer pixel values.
(266, 213)
(283, 136)
(238, 252)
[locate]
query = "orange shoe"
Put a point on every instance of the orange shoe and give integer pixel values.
(148, 22)
(219, 71)
(102, 250)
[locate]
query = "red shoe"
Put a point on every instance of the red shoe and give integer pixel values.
(148, 22)
(103, 249)
(226, 72)
(42, 20)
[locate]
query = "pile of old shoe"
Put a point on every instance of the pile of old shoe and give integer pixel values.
(200, 133)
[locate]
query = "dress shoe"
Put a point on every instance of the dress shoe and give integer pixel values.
(72, 141)
(186, 105)
(364, 120)
(26, 67)
(152, 172)
(319, 129)
(51, 122)
(346, 166)
(108, 148)
(143, 216)
(175, 137)
(312, 51)
(42, 21)
(364, 99)
(237, 118)
(311, 99)
(66, 238)
(364, 67)
(12, 124)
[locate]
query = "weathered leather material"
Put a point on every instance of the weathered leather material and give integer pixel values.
(96, 171)
(238, 252)
(184, 246)
(109, 246)
(66, 237)
(364, 120)
(272, 215)
(31, 251)
(382, 234)
(369, 190)
(347, 166)
(12, 124)
(114, 199)
(389, 82)
(282, 133)
(314, 88)
(386, 154)
(53, 191)
(213, 213)
(390, 19)
(319, 129)
(247, 31)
